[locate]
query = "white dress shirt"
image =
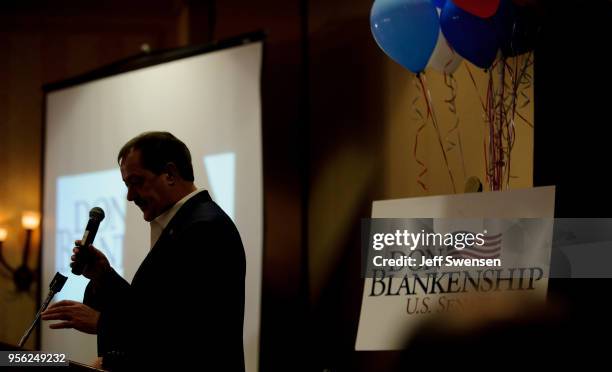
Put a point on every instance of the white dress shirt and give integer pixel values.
(159, 224)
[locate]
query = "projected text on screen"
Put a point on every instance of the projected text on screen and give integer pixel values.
(76, 195)
(221, 172)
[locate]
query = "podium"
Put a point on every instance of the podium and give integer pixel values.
(72, 366)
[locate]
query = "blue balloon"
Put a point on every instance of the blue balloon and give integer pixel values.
(516, 28)
(439, 3)
(474, 38)
(407, 30)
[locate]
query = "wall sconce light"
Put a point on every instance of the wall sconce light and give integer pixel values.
(22, 275)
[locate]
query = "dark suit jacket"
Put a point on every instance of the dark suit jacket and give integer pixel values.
(185, 306)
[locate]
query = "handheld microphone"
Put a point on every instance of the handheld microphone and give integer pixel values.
(84, 257)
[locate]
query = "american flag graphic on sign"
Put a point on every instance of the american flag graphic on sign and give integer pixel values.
(491, 248)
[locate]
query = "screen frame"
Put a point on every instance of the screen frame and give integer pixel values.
(153, 58)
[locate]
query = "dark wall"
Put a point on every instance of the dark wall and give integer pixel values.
(283, 310)
(572, 144)
(284, 113)
(346, 172)
(572, 95)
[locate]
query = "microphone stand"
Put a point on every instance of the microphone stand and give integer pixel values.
(55, 287)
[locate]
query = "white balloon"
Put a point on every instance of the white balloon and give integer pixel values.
(444, 59)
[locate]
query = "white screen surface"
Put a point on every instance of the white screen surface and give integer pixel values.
(212, 103)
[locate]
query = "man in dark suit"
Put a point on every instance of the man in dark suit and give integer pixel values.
(185, 305)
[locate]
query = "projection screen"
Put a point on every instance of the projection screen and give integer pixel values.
(210, 100)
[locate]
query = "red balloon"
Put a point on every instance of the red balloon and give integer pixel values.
(479, 8)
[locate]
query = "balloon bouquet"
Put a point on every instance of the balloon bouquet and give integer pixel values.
(438, 35)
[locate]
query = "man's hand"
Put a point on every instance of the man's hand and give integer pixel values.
(99, 264)
(74, 315)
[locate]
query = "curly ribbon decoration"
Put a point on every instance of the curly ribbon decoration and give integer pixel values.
(500, 137)
(467, 66)
(504, 152)
(451, 83)
(493, 154)
(501, 107)
(496, 161)
(418, 116)
(488, 122)
(504, 127)
(526, 82)
(431, 113)
(521, 82)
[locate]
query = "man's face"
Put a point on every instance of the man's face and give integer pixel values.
(149, 191)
